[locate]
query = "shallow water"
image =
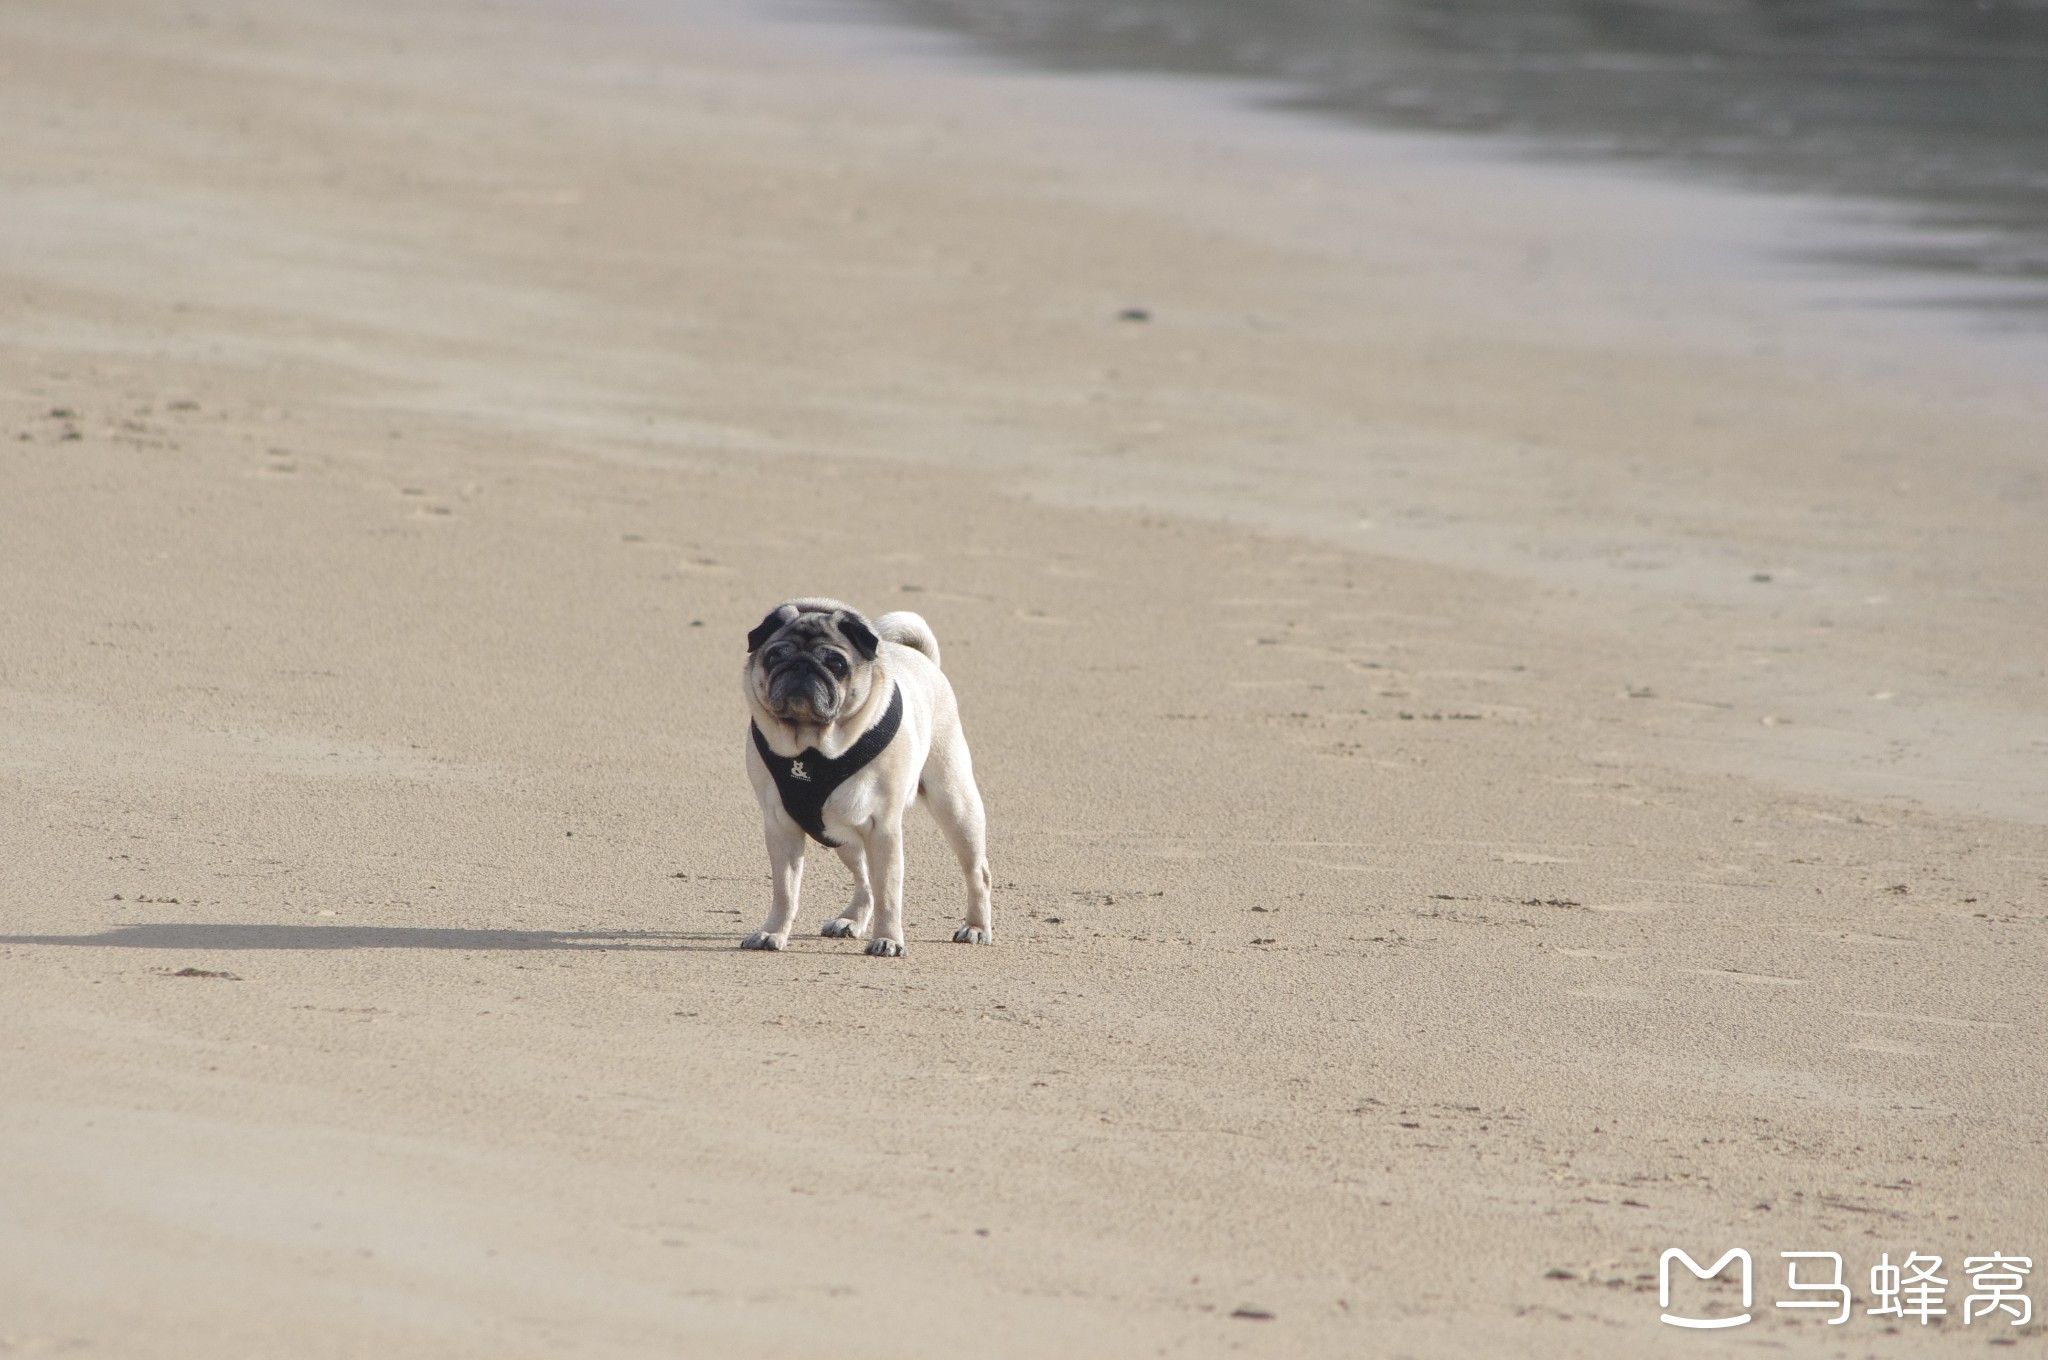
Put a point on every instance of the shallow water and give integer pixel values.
(1940, 106)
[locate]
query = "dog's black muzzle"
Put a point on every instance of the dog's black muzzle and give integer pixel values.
(803, 683)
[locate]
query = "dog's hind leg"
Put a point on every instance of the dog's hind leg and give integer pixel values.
(786, 861)
(853, 922)
(955, 803)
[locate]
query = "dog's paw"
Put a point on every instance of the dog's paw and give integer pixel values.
(886, 948)
(974, 935)
(761, 939)
(839, 928)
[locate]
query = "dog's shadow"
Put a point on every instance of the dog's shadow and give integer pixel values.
(199, 935)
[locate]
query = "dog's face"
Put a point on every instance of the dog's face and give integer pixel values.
(810, 661)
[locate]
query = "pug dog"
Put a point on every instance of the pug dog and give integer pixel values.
(852, 722)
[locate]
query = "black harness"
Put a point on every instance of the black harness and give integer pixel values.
(807, 779)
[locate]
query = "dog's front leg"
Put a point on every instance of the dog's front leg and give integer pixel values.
(884, 843)
(853, 922)
(786, 864)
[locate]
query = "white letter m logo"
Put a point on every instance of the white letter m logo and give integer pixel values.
(1706, 1273)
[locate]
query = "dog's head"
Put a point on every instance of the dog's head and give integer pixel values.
(810, 661)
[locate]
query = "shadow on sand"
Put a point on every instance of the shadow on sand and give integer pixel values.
(180, 935)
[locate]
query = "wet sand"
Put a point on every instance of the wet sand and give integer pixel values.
(1504, 754)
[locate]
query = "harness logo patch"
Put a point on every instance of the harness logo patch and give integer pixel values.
(797, 771)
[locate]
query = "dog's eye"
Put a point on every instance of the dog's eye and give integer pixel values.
(835, 663)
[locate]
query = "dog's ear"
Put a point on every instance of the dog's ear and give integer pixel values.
(855, 629)
(769, 627)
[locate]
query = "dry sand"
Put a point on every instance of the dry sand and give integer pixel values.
(1435, 874)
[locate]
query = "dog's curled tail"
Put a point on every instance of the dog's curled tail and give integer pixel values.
(908, 630)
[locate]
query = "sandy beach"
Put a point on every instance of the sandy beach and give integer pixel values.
(1515, 735)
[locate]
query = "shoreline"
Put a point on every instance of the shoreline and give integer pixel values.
(1785, 254)
(1700, 98)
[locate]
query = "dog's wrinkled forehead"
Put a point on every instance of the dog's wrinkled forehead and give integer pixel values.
(807, 624)
(808, 628)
